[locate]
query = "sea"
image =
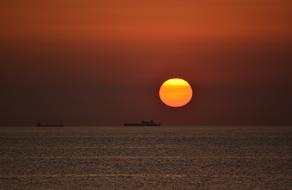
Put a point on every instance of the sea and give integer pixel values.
(198, 157)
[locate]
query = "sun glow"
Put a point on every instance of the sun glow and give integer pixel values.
(176, 92)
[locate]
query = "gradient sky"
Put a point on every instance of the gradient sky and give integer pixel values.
(101, 62)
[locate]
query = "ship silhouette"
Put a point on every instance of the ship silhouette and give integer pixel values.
(143, 124)
(39, 124)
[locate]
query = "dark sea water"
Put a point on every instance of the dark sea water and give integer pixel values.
(146, 158)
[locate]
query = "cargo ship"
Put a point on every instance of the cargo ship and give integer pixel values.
(49, 125)
(143, 124)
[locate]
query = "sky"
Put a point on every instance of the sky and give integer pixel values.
(101, 62)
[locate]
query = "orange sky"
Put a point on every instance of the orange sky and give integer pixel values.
(119, 51)
(154, 22)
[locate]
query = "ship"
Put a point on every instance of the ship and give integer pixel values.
(39, 124)
(143, 124)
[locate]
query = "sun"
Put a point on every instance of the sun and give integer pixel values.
(176, 92)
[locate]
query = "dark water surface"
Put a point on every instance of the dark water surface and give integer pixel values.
(146, 158)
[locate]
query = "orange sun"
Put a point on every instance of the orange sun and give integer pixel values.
(176, 92)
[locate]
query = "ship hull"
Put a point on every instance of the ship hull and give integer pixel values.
(140, 125)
